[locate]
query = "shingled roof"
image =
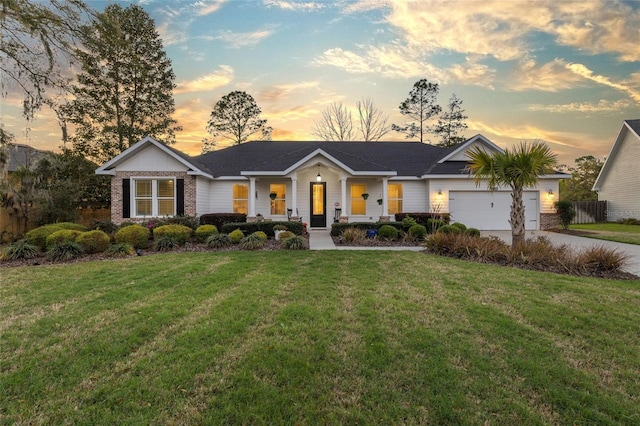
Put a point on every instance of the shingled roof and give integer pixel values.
(23, 156)
(399, 158)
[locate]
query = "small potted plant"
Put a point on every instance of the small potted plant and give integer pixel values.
(379, 200)
(365, 196)
(273, 195)
(278, 229)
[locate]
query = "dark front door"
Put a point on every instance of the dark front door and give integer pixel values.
(318, 205)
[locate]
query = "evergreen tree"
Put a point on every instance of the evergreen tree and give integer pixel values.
(420, 106)
(236, 117)
(583, 176)
(451, 123)
(125, 88)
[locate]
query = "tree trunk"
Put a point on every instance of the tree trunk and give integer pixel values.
(517, 217)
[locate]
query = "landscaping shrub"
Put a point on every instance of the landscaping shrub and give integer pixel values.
(294, 243)
(352, 235)
(136, 235)
(628, 221)
(183, 219)
(472, 232)
(461, 226)
(252, 242)
(180, 233)
(261, 235)
(418, 232)
(236, 236)
(205, 231)
(219, 241)
(285, 234)
(280, 227)
(120, 250)
(19, 250)
(72, 226)
(565, 212)
(423, 218)
(95, 241)
(65, 250)
(387, 233)
(597, 259)
(266, 227)
(219, 219)
(105, 226)
(408, 222)
(338, 228)
(166, 243)
(448, 229)
(61, 236)
(434, 224)
(38, 236)
(488, 249)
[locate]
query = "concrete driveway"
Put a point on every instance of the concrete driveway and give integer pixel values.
(577, 243)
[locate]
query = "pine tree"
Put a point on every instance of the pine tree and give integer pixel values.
(451, 123)
(236, 117)
(125, 88)
(420, 106)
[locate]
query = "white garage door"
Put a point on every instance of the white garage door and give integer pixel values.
(490, 210)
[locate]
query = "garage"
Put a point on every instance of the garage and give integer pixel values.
(490, 210)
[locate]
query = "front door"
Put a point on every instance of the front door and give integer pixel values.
(318, 205)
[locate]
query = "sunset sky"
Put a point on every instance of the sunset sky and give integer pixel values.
(564, 72)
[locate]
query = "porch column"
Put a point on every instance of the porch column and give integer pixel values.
(294, 197)
(385, 200)
(251, 217)
(344, 216)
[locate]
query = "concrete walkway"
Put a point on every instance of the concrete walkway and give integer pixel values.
(320, 239)
(578, 243)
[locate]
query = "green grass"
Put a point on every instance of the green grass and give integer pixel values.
(327, 337)
(629, 234)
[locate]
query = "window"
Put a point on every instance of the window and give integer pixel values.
(241, 198)
(279, 202)
(358, 204)
(154, 197)
(394, 197)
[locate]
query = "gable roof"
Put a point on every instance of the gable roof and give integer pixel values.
(23, 156)
(627, 126)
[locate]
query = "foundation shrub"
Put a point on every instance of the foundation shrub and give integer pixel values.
(19, 250)
(266, 227)
(597, 259)
(219, 241)
(252, 242)
(261, 235)
(434, 224)
(387, 233)
(472, 232)
(448, 229)
(136, 235)
(417, 232)
(180, 233)
(294, 243)
(205, 231)
(166, 243)
(72, 226)
(219, 219)
(236, 236)
(354, 235)
(120, 250)
(95, 241)
(65, 250)
(461, 226)
(284, 235)
(38, 236)
(61, 236)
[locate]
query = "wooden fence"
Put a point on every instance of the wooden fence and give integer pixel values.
(589, 211)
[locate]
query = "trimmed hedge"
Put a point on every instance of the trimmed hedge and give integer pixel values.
(95, 241)
(204, 232)
(338, 228)
(38, 236)
(219, 219)
(422, 218)
(180, 233)
(136, 235)
(62, 236)
(266, 227)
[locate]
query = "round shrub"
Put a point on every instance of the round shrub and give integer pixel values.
(284, 235)
(178, 232)
(408, 222)
(73, 226)
(205, 231)
(19, 250)
(93, 241)
(280, 228)
(449, 229)
(294, 243)
(252, 242)
(65, 250)
(166, 243)
(261, 235)
(418, 232)
(61, 236)
(434, 224)
(236, 236)
(472, 232)
(219, 241)
(461, 226)
(120, 250)
(136, 235)
(387, 232)
(38, 236)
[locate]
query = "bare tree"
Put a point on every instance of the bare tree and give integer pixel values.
(373, 123)
(335, 124)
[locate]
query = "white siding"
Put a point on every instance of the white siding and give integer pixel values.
(621, 184)
(414, 196)
(151, 159)
(202, 196)
(221, 195)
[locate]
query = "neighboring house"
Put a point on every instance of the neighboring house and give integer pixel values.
(319, 182)
(619, 180)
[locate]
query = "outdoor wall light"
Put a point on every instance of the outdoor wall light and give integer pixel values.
(439, 195)
(318, 177)
(550, 194)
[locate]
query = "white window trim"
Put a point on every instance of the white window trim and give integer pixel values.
(234, 199)
(401, 199)
(154, 195)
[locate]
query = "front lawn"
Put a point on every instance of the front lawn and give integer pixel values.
(320, 337)
(629, 234)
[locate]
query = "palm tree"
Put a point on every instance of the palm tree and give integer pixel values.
(517, 168)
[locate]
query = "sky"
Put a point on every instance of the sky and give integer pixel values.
(563, 72)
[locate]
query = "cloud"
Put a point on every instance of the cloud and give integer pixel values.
(583, 107)
(365, 5)
(237, 40)
(553, 76)
(211, 81)
(205, 8)
(583, 71)
(280, 92)
(296, 6)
